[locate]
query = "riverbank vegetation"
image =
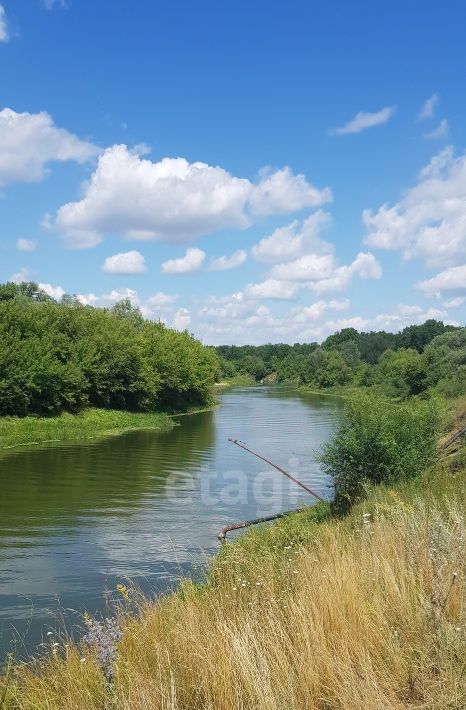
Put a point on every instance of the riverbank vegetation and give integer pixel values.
(318, 612)
(419, 359)
(58, 358)
(88, 424)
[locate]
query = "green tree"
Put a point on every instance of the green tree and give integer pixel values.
(378, 441)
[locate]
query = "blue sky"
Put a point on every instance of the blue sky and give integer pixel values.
(251, 171)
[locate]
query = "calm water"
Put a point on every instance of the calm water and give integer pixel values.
(76, 519)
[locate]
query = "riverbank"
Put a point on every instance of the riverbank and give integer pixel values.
(237, 381)
(314, 611)
(89, 424)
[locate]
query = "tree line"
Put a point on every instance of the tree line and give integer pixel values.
(417, 359)
(57, 357)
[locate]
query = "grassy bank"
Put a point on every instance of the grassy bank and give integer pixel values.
(365, 611)
(20, 431)
(236, 381)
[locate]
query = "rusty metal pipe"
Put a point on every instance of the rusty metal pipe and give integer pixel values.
(247, 523)
(282, 470)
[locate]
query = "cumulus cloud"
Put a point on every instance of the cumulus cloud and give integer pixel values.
(440, 132)
(310, 267)
(127, 262)
(191, 261)
(29, 141)
(294, 239)
(26, 245)
(455, 302)
(364, 120)
(281, 192)
(428, 108)
(175, 200)
(24, 274)
(4, 35)
(162, 300)
(56, 292)
(451, 280)
(365, 266)
(316, 310)
(224, 263)
(429, 222)
(182, 319)
(321, 273)
(271, 288)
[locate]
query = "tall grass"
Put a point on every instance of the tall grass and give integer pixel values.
(17, 431)
(362, 612)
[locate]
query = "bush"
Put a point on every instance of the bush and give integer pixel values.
(378, 441)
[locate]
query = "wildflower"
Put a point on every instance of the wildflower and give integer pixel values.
(104, 636)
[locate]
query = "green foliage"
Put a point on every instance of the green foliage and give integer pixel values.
(379, 441)
(20, 431)
(400, 364)
(446, 363)
(64, 357)
(402, 373)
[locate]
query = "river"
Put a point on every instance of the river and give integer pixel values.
(76, 519)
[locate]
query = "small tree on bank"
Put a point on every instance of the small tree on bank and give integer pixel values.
(378, 441)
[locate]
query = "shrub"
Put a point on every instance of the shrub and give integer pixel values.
(378, 441)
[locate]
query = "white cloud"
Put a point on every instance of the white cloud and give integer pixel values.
(162, 300)
(310, 267)
(455, 302)
(428, 108)
(109, 299)
(128, 262)
(271, 288)
(429, 222)
(320, 272)
(175, 200)
(223, 263)
(439, 133)
(294, 239)
(316, 310)
(281, 192)
(29, 141)
(24, 274)
(364, 120)
(451, 280)
(26, 245)
(56, 292)
(4, 35)
(365, 266)
(191, 261)
(182, 319)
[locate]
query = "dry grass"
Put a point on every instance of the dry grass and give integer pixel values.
(367, 613)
